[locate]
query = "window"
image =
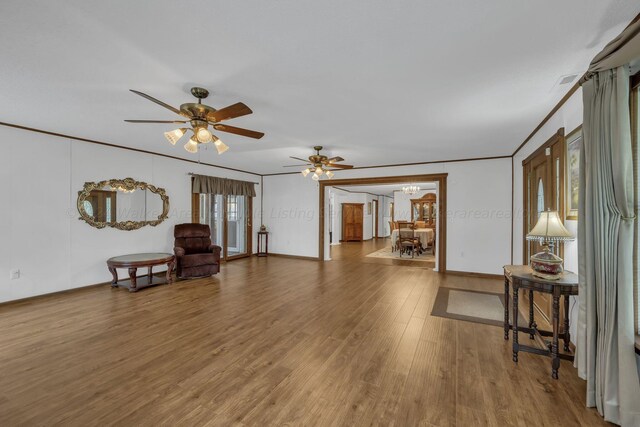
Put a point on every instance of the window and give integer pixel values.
(229, 220)
(557, 180)
(232, 207)
(540, 197)
(210, 212)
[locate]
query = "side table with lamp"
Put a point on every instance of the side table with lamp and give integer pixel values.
(548, 230)
(544, 275)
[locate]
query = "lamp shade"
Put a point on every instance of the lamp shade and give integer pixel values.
(220, 146)
(549, 228)
(192, 145)
(174, 135)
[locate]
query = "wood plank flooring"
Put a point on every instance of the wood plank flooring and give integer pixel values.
(274, 341)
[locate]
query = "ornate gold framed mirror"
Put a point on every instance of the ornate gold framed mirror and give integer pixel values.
(125, 204)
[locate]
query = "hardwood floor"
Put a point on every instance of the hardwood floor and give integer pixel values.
(358, 250)
(273, 341)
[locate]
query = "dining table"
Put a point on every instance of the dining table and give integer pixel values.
(426, 235)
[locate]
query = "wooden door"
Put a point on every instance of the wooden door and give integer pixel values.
(352, 221)
(543, 190)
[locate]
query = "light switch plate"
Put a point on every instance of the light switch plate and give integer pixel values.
(14, 274)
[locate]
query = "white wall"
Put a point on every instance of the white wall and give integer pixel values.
(478, 217)
(367, 221)
(340, 197)
(402, 204)
(384, 230)
(568, 116)
(41, 233)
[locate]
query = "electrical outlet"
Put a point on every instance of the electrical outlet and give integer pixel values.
(14, 274)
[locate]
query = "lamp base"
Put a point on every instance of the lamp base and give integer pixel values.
(546, 265)
(546, 276)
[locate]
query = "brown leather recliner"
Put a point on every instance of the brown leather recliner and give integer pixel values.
(195, 255)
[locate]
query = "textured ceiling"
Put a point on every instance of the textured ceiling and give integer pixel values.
(375, 82)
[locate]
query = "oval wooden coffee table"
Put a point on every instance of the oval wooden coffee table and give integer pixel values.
(135, 261)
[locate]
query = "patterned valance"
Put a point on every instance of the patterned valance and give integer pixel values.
(215, 185)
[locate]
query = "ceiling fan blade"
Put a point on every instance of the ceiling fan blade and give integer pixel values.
(332, 165)
(157, 101)
(232, 111)
(335, 159)
(298, 158)
(239, 131)
(157, 121)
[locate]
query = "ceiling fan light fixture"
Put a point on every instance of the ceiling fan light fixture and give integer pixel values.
(203, 135)
(319, 164)
(174, 136)
(199, 117)
(192, 145)
(220, 146)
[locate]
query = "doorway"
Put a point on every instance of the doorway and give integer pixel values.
(439, 181)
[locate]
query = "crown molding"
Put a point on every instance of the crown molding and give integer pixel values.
(122, 147)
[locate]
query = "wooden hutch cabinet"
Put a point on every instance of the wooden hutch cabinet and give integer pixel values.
(424, 209)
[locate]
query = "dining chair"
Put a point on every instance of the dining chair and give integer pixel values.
(391, 229)
(407, 238)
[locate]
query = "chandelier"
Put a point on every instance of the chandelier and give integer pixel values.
(410, 189)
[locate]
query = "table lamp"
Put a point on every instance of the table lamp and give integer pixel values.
(547, 231)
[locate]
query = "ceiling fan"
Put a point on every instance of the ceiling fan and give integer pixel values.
(200, 117)
(319, 164)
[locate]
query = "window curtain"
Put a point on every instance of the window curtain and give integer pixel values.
(619, 51)
(605, 352)
(214, 185)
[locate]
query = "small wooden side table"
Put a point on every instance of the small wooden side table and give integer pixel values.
(263, 251)
(521, 277)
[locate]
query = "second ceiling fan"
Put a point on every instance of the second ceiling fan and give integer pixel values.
(200, 117)
(319, 164)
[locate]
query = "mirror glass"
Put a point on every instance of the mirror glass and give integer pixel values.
(124, 204)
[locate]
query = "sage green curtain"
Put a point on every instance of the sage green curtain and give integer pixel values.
(619, 51)
(214, 185)
(605, 352)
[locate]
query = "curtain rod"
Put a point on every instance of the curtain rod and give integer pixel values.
(193, 174)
